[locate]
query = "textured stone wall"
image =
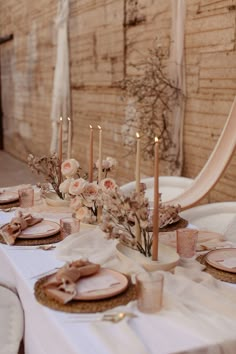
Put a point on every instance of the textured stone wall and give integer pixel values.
(211, 86)
(106, 38)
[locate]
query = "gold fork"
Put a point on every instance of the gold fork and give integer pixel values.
(114, 317)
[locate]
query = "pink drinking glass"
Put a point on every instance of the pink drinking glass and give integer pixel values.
(69, 225)
(26, 197)
(186, 242)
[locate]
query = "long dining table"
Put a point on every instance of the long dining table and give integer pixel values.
(172, 330)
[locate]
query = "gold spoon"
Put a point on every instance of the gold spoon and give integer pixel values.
(46, 247)
(6, 210)
(117, 317)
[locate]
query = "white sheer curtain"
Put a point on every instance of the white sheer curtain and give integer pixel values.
(177, 74)
(61, 85)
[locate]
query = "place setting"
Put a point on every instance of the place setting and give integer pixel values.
(17, 196)
(8, 199)
(84, 287)
(206, 248)
(220, 263)
(25, 229)
(209, 249)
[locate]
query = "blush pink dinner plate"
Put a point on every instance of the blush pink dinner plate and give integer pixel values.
(223, 259)
(45, 228)
(118, 285)
(8, 197)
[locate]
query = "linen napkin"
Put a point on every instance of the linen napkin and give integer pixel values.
(18, 223)
(93, 245)
(62, 285)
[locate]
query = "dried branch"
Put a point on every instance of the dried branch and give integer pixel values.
(49, 167)
(151, 96)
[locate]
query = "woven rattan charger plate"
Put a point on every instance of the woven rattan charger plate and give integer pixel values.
(36, 242)
(78, 306)
(217, 273)
(10, 205)
(182, 223)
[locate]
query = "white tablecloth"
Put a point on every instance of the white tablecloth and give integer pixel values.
(48, 331)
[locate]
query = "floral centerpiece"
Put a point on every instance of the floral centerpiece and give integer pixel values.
(122, 212)
(85, 196)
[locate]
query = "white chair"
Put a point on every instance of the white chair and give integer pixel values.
(214, 167)
(214, 217)
(11, 322)
(170, 186)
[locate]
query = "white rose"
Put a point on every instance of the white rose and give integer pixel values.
(77, 186)
(64, 186)
(112, 161)
(90, 194)
(83, 214)
(69, 167)
(106, 165)
(108, 184)
(90, 191)
(76, 202)
(97, 164)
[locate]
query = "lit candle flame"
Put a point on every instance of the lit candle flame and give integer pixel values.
(156, 139)
(99, 127)
(137, 135)
(68, 118)
(90, 126)
(61, 119)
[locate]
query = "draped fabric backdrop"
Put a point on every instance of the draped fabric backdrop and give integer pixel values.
(61, 86)
(177, 74)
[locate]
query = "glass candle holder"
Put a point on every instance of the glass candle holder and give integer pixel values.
(26, 197)
(186, 242)
(149, 287)
(69, 226)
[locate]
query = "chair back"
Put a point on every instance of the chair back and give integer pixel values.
(214, 167)
(11, 322)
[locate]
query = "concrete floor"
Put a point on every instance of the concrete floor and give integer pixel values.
(14, 172)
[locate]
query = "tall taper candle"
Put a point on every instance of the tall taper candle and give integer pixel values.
(69, 139)
(137, 176)
(91, 154)
(156, 204)
(137, 169)
(100, 155)
(60, 148)
(99, 210)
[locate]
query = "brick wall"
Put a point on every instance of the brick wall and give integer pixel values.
(211, 86)
(101, 53)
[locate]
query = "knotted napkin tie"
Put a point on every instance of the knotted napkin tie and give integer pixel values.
(62, 285)
(20, 222)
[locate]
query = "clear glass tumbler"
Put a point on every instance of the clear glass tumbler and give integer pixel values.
(149, 287)
(26, 197)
